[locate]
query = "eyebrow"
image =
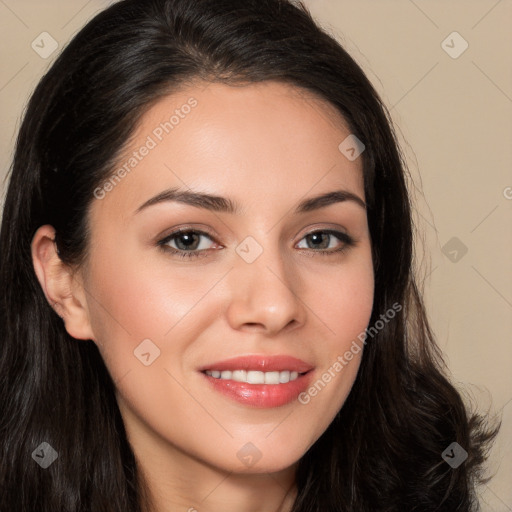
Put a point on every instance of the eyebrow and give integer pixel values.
(225, 205)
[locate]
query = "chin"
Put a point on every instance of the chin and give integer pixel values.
(251, 460)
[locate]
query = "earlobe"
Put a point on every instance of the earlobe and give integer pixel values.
(59, 285)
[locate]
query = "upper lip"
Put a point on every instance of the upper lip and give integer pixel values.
(263, 363)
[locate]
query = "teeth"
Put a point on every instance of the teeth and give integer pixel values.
(284, 376)
(254, 377)
(238, 375)
(271, 377)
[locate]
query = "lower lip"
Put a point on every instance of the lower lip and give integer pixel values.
(263, 396)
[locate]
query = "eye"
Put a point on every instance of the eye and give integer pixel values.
(187, 243)
(324, 241)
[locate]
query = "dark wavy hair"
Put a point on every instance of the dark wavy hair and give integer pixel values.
(383, 450)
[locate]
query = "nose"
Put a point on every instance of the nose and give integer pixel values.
(265, 295)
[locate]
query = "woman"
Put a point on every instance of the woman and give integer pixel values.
(208, 296)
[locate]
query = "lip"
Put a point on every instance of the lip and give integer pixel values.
(262, 363)
(263, 396)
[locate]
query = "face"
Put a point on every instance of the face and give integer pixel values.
(188, 295)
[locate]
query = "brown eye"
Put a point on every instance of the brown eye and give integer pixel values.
(187, 240)
(187, 243)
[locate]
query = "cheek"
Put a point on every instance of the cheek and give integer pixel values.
(342, 306)
(342, 299)
(146, 315)
(136, 298)
(348, 304)
(129, 304)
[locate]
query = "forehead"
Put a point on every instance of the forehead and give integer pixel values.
(256, 143)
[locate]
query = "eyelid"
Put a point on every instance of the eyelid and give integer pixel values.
(329, 228)
(187, 229)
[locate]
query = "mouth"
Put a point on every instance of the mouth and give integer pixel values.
(259, 381)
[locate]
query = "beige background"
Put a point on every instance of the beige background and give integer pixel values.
(454, 118)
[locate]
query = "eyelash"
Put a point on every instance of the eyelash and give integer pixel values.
(347, 240)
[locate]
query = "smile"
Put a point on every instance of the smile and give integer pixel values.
(259, 380)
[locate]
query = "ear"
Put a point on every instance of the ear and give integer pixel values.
(61, 287)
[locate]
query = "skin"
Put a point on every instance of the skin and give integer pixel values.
(266, 146)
